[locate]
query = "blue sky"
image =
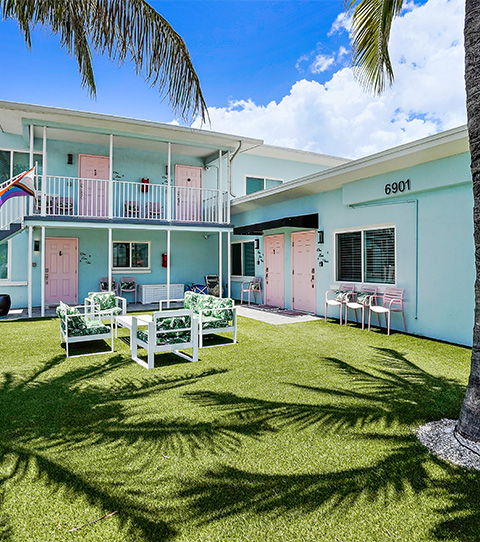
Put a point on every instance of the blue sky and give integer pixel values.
(273, 70)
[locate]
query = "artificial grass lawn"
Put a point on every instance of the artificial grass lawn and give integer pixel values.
(301, 432)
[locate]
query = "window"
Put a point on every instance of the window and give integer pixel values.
(131, 255)
(243, 259)
(14, 162)
(4, 274)
(366, 256)
(255, 184)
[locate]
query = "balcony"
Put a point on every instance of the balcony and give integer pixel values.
(103, 200)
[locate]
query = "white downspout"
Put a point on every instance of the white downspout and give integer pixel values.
(220, 263)
(29, 270)
(168, 266)
(220, 189)
(110, 257)
(42, 272)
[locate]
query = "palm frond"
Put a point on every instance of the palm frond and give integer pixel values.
(121, 29)
(371, 26)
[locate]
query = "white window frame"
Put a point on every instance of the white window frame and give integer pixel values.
(20, 151)
(242, 277)
(263, 177)
(147, 269)
(363, 229)
(9, 264)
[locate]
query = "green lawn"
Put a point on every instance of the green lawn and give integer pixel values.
(301, 432)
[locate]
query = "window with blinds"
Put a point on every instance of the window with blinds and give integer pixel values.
(243, 259)
(366, 256)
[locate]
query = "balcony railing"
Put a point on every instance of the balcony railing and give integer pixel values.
(101, 199)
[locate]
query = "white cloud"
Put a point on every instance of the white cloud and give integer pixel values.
(321, 63)
(339, 118)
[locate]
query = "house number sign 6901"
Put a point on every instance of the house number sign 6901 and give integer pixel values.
(393, 188)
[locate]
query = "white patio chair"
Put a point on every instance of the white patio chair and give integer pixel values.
(391, 301)
(336, 298)
(360, 302)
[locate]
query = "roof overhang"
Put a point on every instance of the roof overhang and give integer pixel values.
(431, 148)
(301, 221)
(81, 126)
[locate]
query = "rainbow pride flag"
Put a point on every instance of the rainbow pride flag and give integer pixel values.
(22, 185)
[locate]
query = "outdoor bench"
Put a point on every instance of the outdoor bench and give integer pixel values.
(215, 314)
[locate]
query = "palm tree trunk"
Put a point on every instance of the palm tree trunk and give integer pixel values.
(469, 421)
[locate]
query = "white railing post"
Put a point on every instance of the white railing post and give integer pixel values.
(220, 185)
(43, 205)
(169, 183)
(110, 183)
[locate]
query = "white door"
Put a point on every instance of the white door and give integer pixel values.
(275, 270)
(303, 271)
(61, 270)
(188, 193)
(94, 172)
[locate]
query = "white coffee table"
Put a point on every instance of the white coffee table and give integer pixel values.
(126, 321)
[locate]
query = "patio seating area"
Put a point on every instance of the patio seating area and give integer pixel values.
(300, 432)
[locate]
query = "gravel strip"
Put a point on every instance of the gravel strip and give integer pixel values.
(439, 437)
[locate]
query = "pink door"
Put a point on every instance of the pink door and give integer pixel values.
(275, 270)
(188, 193)
(93, 193)
(303, 271)
(61, 270)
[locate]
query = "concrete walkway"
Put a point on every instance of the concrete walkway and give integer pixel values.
(271, 315)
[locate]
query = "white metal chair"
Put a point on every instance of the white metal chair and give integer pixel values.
(391, 301)
(251, 287)
(360, 302)
(169, 331)
(338, 297)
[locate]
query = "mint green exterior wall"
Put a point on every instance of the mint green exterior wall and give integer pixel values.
(442, 305)
(272, 168)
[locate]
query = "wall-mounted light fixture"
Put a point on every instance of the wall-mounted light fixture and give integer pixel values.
(36, 245)
(257, 244)
(69, 159)
(320, 237)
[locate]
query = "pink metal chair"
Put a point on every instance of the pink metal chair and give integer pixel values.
(128, 285)
(154, 210)
(104, 285)
(65, 205)
(338, 299)
(131, 209)
(391, 301)
(251, 287)
(360, 302)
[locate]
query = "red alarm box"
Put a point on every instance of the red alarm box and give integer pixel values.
(144, 184)
(164, 259)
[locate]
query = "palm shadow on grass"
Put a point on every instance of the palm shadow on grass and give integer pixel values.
(372, 406)
(48, 414)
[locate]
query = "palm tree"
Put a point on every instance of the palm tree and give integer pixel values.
(371, 25)
(121, 29)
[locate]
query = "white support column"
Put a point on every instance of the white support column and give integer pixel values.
(44, 173)
(42, 272)
(229, 185)
(168, 265)
(110, 182)
(229, 265)
(29, 270)
(110, 257)
(169, 182)
(220, 258)
(220, 189)
(30, 162)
